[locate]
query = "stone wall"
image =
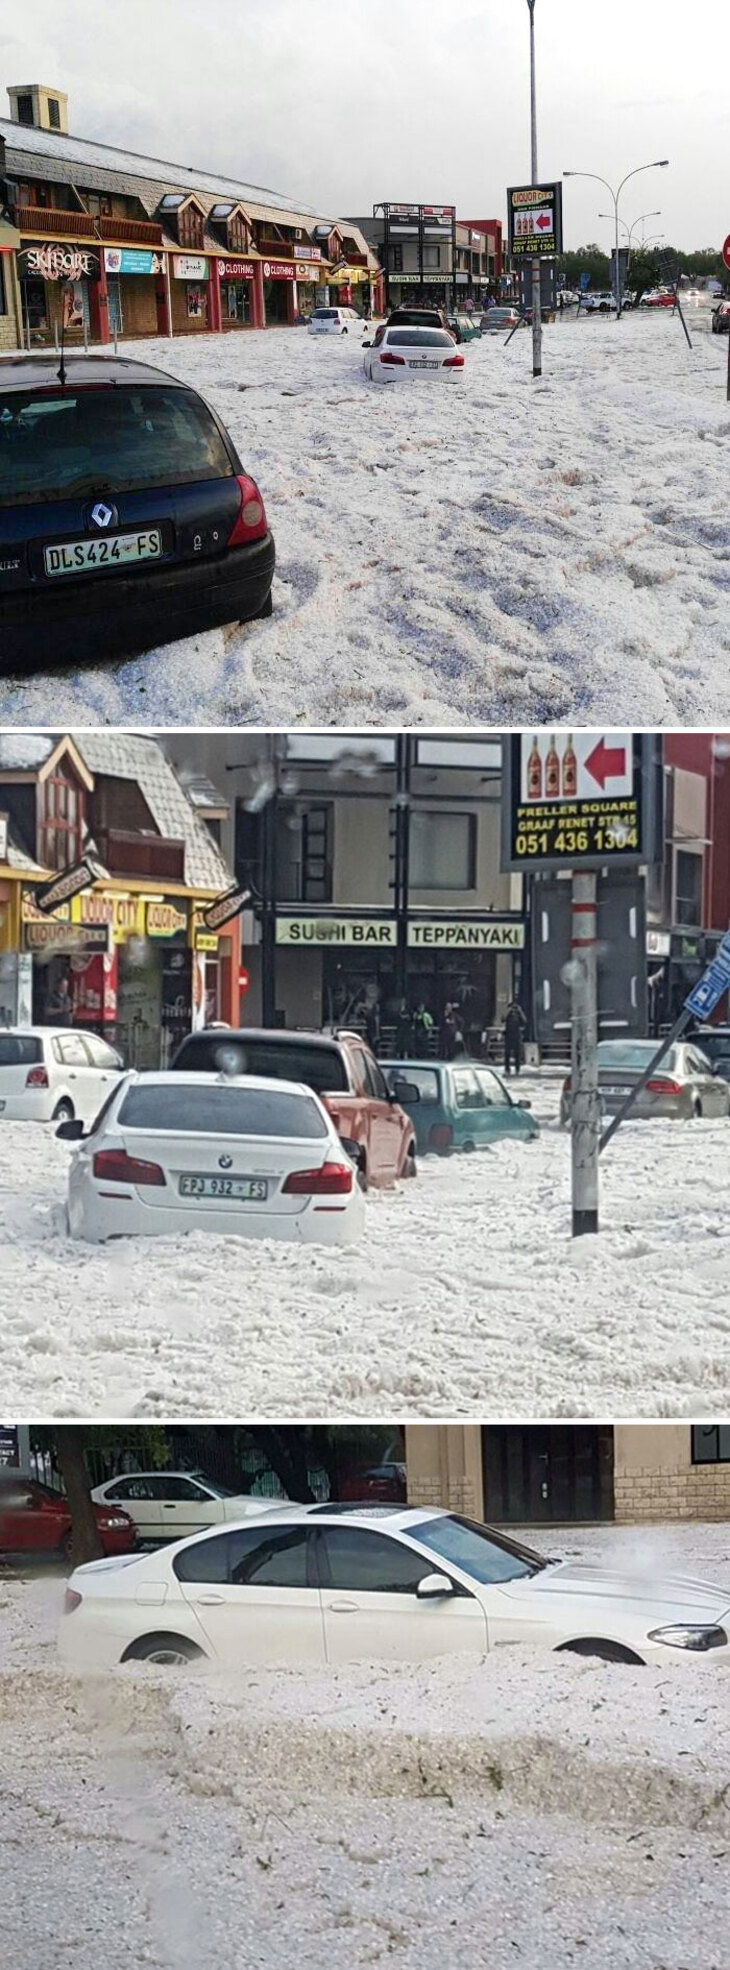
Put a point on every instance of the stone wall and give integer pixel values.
(700, 1492)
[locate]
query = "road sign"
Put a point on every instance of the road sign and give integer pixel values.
(713, 985)
(535, 215)
(574, 800)
(726, 251)
(584, 281)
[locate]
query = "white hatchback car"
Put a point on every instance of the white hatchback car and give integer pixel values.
(317, 1584)
(53, 1074)
(174, 1152)
(335, 321)
(402, 354)
(175, 1504)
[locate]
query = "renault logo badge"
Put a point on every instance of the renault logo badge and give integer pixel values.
(225, 1162)
(102, 515)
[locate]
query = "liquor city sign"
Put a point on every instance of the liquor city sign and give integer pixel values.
(58, 263)
(535, 214)
(576, 801)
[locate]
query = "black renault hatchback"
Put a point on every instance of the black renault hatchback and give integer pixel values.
(126, 517)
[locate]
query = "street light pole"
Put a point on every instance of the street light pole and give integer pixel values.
(658, 164)
(536, 274)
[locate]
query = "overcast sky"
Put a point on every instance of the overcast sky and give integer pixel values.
(343, 102)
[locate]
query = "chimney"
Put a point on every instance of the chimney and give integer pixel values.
(37, 108)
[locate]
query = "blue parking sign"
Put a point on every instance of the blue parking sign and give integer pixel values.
(703, 998)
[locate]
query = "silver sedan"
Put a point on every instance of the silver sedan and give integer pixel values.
(684, 1086)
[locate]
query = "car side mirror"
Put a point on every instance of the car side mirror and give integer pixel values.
(435, 1587)
(523, 1104)
(406, 1092)
(367, 345)
(71, 1131)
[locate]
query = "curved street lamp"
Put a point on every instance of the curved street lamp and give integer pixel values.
(658, 164)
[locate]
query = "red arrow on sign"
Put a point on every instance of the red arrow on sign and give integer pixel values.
(606, 763)
(726, 251)
(544, 221)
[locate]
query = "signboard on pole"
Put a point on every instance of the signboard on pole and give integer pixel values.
(535, 220)
(726, 252)
(70, 882)
(225, 907)
(575, 800)
(713, 985)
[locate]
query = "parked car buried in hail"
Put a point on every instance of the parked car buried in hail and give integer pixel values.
(684, 1087)
(51, 1074)
(342, 1071)
(175, 1504)
(173, 1153)
(126, 515)
(35, 1521)
(329, 1584)
(461, 1105)
(335, 321)
(402, 354)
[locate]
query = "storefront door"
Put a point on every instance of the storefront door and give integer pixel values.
(547, 1475)
(116, 319)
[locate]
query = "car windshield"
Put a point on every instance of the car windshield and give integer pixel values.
(19, 1049)
(319, 1067)
(105, 439)
(422, 1078)
(212, 1484)
(430, 338)
(221, 1110)
(485, 1555)
(630, 1056)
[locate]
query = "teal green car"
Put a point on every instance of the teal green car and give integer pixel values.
(461, 1105)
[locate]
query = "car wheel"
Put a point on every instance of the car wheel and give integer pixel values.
(169, 1651)
(410, 1167)
(468, 1148)
(601, 1650)
(697, 1111)
(65, 1549)
(64, 1111)
(362, 1174)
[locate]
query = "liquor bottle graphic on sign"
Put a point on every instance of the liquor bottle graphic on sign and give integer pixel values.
(552, 773)
(570, 771)
(534, 773)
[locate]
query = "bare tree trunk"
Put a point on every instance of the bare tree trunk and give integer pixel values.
(85, 1541)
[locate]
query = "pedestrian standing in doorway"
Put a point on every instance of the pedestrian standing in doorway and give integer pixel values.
(514, 1031)
(422, 1030)
(372, 1024)
(404, 1031)
(60, 1003)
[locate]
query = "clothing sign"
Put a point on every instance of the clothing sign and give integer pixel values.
(190, 266)
(279, 270)
(236, 269)
(535, 214)
(466, 935)
(336, 930)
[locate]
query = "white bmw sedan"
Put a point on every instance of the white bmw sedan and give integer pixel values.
(174, 1152)
(175, 1504)
(401, 355)
(317, 1584)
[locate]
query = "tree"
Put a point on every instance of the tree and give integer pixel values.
(71, 1440)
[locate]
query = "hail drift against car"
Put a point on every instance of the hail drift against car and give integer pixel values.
(126, 515)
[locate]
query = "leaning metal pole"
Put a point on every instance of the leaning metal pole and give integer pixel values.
(536, 278)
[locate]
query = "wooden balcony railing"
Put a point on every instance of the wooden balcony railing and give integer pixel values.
(149, 857)
(56, 223)
(131, 232)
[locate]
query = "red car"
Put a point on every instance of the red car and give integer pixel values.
(34, 1519)
(660, 299)
(342, 1071)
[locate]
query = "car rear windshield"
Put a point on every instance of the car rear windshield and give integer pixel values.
(320, 1068)
(325, 314)
(431, 338)
(19, 1050)
(116, 438)
(631, 1055)
(222, 1111)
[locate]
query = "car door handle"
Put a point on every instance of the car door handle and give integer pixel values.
(343, 1607)
(168, 1508)
(209, 1600)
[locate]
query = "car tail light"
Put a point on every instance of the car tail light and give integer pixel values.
(115, 1166)
(567, 1085)
(393, 362)
(251, 521)
(663, 1085)
(441, 1136)
(37, 1077)
(71, 1600)
(332, 1180)
(453, 362)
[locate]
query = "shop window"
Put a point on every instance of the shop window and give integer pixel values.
(711, 1443)
(190, 226)
(99, 204)
(443, 851)
(688, 885)
(304, 852)
(432, 256)
(60, 822)
(396, 259)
